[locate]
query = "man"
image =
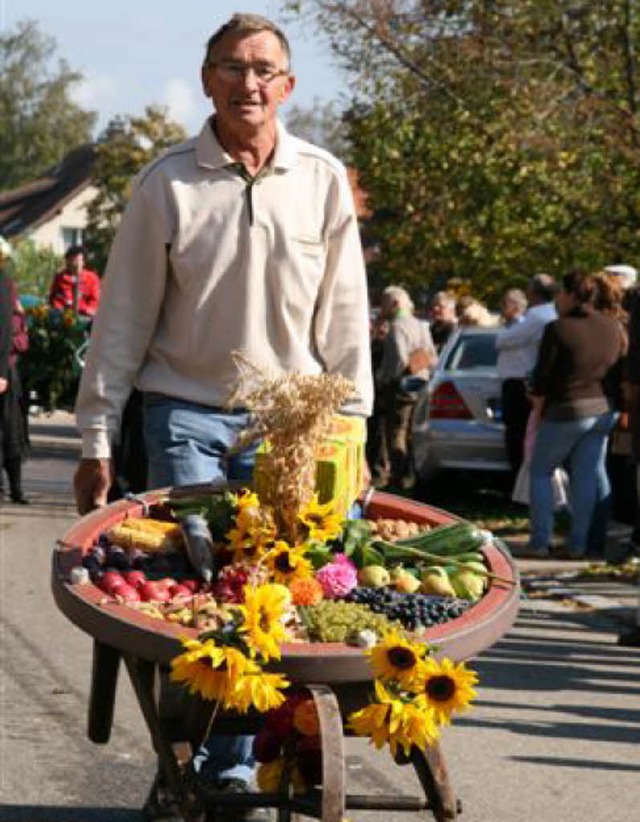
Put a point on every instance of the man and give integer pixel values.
(442, 318)
(75, 288)
(243, 238)
(407, 335)
(518, 346)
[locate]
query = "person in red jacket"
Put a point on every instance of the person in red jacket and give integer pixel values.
(75, 288)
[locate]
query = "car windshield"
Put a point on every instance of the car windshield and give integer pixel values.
(474, 352)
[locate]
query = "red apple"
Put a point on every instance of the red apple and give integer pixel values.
(127, 592)
(193, 585)
(166, 582)
(134, 578)
(151, 591)
(111, 580)
(181, 591)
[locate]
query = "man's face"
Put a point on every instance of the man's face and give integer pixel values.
(443, 311)
(247, 79)
(75, 263)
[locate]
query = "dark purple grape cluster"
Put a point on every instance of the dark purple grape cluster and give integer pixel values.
(414, 611)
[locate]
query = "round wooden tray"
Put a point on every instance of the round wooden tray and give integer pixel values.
(128, 630)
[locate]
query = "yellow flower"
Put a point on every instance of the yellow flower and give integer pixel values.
(257, 690)
(248, 499)
(263, 610)
(393, 721)
(208, 669)
(396, 658)
(444, 687)
(270, 774)
(286, 563)
(305, 718)
(320, 522)
(254, 530)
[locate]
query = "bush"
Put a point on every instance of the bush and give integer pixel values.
(51, 368)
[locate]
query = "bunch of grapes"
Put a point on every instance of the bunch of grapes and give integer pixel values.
(229, 586)
(414, 611)
(334, 620)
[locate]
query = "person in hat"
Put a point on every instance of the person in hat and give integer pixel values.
(75, 288)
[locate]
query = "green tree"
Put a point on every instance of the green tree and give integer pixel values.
(127, 144)
(494, 138)
(33, 268)
(39, 122)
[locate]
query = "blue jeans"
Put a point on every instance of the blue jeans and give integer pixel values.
(186, 444)
(580, 445)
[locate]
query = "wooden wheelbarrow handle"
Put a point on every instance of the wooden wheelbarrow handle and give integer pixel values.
(102, 698)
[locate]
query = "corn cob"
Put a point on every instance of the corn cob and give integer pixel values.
(137, 538)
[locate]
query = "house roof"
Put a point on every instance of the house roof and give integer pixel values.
(32, 204)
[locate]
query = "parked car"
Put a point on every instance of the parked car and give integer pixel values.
(457, 425)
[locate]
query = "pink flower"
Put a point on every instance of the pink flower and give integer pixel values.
(338, 577)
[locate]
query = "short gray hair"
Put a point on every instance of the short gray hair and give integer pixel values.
(517, 297)
(241, 24)
(398, 295)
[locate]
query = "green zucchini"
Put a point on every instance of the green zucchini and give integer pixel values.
(447, 540)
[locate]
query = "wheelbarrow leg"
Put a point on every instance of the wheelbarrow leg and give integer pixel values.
(145, 683)
(432, 772)
(102, 697)
(332, 736)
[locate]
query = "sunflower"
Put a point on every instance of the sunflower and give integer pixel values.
(286, 563)
(394, 721)
(254, 531)
(396, 658)
(444, 687)
(319, 520)
(262, 612)
(258, 690)
(247, 499)
(207, 668)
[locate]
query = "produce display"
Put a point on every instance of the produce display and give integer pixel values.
(188, 561)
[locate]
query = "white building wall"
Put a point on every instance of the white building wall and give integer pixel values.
(66, 227)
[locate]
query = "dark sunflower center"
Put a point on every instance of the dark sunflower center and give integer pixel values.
(402, 658)
(265, 622)
(441, 688)
(283, 563)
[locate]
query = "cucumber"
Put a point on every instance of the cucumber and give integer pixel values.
(448, 540)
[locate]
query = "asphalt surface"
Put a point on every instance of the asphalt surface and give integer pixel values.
(553, 737)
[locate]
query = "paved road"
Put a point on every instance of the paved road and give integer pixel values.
(554, 736)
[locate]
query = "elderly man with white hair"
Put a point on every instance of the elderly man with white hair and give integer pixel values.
(408, 351)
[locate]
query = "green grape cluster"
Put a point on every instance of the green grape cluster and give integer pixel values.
(338, 621)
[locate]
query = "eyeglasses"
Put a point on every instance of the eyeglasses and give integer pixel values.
(264, 74)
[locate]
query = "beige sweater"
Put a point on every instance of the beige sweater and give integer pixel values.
(203, 265)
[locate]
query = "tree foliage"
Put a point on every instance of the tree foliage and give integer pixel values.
(128, 144)
(33, 268)
(494, 138)
(39, 122)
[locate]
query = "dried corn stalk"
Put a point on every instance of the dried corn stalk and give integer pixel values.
(292, 412)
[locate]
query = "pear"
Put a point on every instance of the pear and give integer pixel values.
(468, 584)
(373, 576)
(435, 580)
(404, 581)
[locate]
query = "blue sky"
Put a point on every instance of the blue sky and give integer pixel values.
(137, 52)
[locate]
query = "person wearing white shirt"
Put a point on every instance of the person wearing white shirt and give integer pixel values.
(518, 346)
